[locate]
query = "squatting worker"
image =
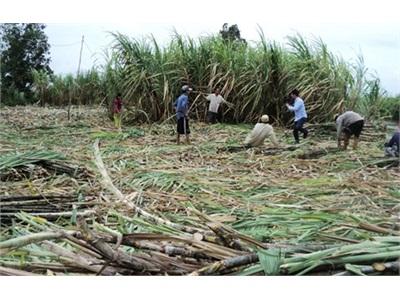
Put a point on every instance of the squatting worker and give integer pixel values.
(182, 107)
(215, 101)
(348, 124)
(392, 148)
(117, 111)
(300, 114)
(260, 132)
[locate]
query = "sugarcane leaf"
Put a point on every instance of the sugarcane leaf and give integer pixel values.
(270, 260)
(81, 197)
(250, 271)
(73, 215)
(354, 269)
(313, 266)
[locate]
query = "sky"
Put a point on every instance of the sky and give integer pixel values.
(348, 28)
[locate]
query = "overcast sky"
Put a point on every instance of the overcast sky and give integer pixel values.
(349, 29)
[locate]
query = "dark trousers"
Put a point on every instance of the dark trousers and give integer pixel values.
(355, 129)
(298, 126)
(183, 126)
(212, 117)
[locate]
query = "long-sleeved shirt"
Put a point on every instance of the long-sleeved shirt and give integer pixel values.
(117, 105)
(298, 108)
(215, 101)
(345, 120)
(257, 136)
(182, 106)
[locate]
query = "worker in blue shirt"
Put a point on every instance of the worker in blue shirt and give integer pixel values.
(182, 107)
(300, 114)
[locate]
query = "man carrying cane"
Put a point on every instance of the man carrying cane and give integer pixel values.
(181, 108)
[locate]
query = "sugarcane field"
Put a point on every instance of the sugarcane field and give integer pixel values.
(209, 156)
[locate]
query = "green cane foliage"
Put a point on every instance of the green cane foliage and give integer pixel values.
(255, 77)
(270, 260)
(13, 160)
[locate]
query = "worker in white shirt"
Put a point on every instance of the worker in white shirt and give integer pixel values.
(215, 100)
(300, 115)
(260, 132)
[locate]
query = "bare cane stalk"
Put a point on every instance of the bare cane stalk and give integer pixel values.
(125, 200)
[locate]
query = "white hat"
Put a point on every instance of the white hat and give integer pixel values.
(264, 119)
(186, 88)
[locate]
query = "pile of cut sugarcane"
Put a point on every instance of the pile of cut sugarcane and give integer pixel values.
(41, 247)
(137, 204)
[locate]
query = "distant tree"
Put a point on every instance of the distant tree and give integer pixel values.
(23, 47)
(231, 33)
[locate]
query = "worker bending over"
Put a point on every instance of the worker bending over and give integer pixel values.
(260, 132)
(348, 124)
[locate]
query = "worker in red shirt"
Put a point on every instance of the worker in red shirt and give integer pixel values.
(117, 111)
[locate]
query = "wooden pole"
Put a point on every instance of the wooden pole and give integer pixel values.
(80, 55)
(77, 74)
(79, 67)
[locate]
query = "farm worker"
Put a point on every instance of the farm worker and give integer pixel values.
(261, 131)
(215, 100)
(393, 146)
(117, 111)
(182, 107)
(348, 124)
(300, 114)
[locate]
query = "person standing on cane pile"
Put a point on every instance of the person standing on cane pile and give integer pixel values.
(182, 108)
(260, 132)
(348, 124)
(117, 111)
(215, 101)
(300, 114)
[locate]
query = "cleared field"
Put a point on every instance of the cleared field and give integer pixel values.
(205, 208)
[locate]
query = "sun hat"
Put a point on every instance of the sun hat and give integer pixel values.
(264, 119)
